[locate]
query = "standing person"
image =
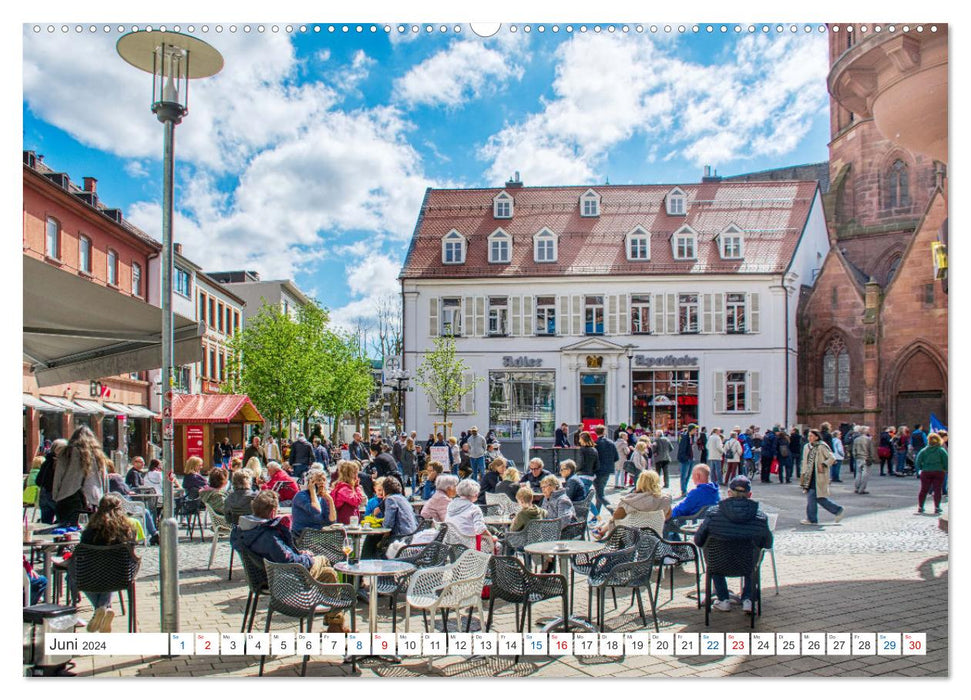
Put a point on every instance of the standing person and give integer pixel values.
(321, 454)
(747, 465)
(768, 454)
(901, 442)
(685, 455)
(454, 453)
(409, 464)
(918, 438)
(45, 481)
(109, 525)
(301, 456)
(662, 455)
(816, 459)
(716, 452)
(865, 455)
(589, 461)
(785, 455)
(756, 440)
(885, 451)
(562, 436)
(225, 453)
(703, 444)
(639, 455)
(931, 464)
(733, 455)
(477, 450)
(795, 449)
(606, 456)
(838, 457)
(825, 435)
(272, 451)
(80, 477)
(397, 448)
(255, 449)
(623, 450)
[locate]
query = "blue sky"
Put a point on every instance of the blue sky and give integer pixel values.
(308, 155)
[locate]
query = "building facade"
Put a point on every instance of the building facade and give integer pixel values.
(248, 286)
(658, 305)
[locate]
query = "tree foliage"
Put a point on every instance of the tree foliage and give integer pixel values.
(442, 375)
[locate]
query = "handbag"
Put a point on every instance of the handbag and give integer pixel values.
(774, 469)
(884, 452)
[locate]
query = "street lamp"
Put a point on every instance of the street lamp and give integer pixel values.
(630, 378)
(173, 59)
(400, 376)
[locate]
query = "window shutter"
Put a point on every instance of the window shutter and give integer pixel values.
(623, 315)
(754, 392)
(753, 312)
(577, 315)
(658, 314)
(479, 317)
(468, 322)
(468, 401)
(612, 314)
(719, 313)
(719, 392)
(515, 311)
(527, 315)
(672, 321)
(433, 327)
(563, 321)
(706, 313)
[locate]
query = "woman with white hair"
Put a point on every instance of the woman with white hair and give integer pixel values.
(464, 519)
(436, 507)
(313, 507)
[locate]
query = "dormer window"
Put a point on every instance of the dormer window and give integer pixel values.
(684, 244)
(500, 247)
(590, 204)
(677, 202)
(502, 206)
(453, 248)
(730, 243)
(638, 244)
(544, 246)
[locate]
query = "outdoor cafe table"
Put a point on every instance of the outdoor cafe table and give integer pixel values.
(564, 550)
(357, 535)
(371, 569)
(418, 505)
(502, 521)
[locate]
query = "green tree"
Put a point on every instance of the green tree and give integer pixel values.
(442, 375)
(349, 382)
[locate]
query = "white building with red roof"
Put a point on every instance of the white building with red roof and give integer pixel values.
(659, 305)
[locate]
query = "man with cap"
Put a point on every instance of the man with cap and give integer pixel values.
(477, 452)
(737, 517)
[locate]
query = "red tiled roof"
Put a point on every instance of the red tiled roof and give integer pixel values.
(772, 216)
(214, 408)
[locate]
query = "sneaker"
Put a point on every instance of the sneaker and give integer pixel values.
(106, 624)
(807, 522)
(920, 511)
(938, 511)
(863, 493)
(747, 606)
(839, 516)
(722, 605)
(94, 625)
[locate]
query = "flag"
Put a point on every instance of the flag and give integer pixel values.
(105, 391)
(936, 425)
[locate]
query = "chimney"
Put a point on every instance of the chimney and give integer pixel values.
(178, 248)
(514, 182)
(707, 171)
(90, 185)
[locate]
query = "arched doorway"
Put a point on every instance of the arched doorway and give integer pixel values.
(921, 389)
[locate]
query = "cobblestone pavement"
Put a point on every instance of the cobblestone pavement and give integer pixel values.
(882, 569)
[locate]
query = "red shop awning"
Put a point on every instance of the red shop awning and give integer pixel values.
(214, 408)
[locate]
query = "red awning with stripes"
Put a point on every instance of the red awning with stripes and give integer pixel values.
(214, 408)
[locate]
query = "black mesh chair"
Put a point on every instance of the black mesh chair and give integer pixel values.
(729, 558)
(637, 574)
(599, 579)
(256, 580)
(673, 553)
(582, 508)
(512, 582)
(189, 511)
(621, 538)
(674, 525)
(328, 543)
(106, 569)
(294, 593)
(490, 509)
(422, 556)
(573, 531)
(540, 530)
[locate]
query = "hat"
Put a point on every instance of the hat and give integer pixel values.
(474, 429)
(740, 484)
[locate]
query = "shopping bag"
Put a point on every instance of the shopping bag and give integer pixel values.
(774, 469)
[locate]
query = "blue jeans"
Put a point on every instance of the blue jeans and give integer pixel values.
(37, 587)
(785, 468)
(834, 470)
(599, 484)
(901, 461)
(721, 587)
(812, 514)
(478, 466)
(686, 468)
(716, 470)
(99, 600)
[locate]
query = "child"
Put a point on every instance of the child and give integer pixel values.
(529, 510)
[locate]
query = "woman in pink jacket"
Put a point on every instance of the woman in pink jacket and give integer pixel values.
(347, 492)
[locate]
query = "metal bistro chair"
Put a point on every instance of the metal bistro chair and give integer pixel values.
(256, 580)
(733, 557)
(582, 508)
(220, 527)
(599, 578)
(674, 525)
(328, 543)
(190, 512)
(672, 553)
(454, 586)
(507, 505)
(106, 569)
(295, 593)
(621, 538)
(488, 510)
(540, 530)
(573, 531)
(514, 583)
(423, 556)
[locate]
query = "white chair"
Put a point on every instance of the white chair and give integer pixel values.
(220, 528)
(506, 504)
(137, 510)
(455, 586)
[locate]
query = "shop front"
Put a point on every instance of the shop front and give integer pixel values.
(203, 420)
(521, 394)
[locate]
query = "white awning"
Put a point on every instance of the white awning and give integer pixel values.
(68, 405)
(132, 411)
(119, 408)
(96, 407)
(78, 330)
(39, 404)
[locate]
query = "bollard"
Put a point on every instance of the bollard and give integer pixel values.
(169, 573)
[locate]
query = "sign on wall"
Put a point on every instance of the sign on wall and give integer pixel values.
(194, 437)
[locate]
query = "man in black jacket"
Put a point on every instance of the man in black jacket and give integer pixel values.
(301, 456)
(737, 517)
(562, 436)
(607, 457)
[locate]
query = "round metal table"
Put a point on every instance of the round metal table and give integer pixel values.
(357, 535)
(372, 569)
(564, 550)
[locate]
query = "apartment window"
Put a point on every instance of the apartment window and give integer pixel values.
(687, 313)
(545, 315)
(219, 317)
(591, 206)
(112, 268)
(202, 307)
(836, 372)
(676, 202)
(898, 193)
(183, 283)
(453, 248)
(235, 322)
(84, 254)
(638, 245)
(929, 294)
(502, 206)
(499, 247)
(593, 315)
(684, 246)
(136, 279)
(202, 364)
(52, 245)
(212, 363)
(212, 313)
(544, 246)
(735, 313)
(498, 316)
(222, 366)
(229, 320)
(735, 392)
(640, 313)
(452, 316)
(731, 245)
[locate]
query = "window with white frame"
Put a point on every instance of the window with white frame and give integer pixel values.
(735, 400)
(136, 279)
(498, 316)
(453, 248)
(676, 202)
(687, 313)
(452, 316)
(640, 314)
(545, 315)
(731, 244)
(500, 247)
(84, 254)
(590, 204)
(735, 312)
(52, 244)
(183, 284)
(112, 267)
(685, 244)
(593, 315)
(544, 246)
(502, 206)
(638, 245)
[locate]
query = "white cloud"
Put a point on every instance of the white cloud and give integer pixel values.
(347, 78)
(136, 169)
(371, 277)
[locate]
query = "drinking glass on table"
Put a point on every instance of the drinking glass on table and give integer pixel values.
(82, 520)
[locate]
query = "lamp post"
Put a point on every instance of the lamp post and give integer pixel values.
(630, 378)
(173, 59)
(400, 377)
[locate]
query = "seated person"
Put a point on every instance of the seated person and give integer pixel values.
(266, 536)
(38, 583)
(572, 483)
(510, 483)
(534, 474)
(555, 501)
(647, 497)
(313, 507)
(465, 521)
(432, 470)
(703, 494)
(109, 525)
(737, 517)
(215, 494)
(153, 477)
(135, 475)
(240, 499)
(374, 503)
(399, 516)
(528, 511)
(280, 482)
(347, 492)
(491, 479)
(436, 507)
(117, 485)
(193, 481)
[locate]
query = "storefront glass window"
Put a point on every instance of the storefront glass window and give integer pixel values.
(665, 399)
(50, 426)
(518, 396)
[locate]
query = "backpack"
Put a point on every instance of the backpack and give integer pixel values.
(783, 449)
